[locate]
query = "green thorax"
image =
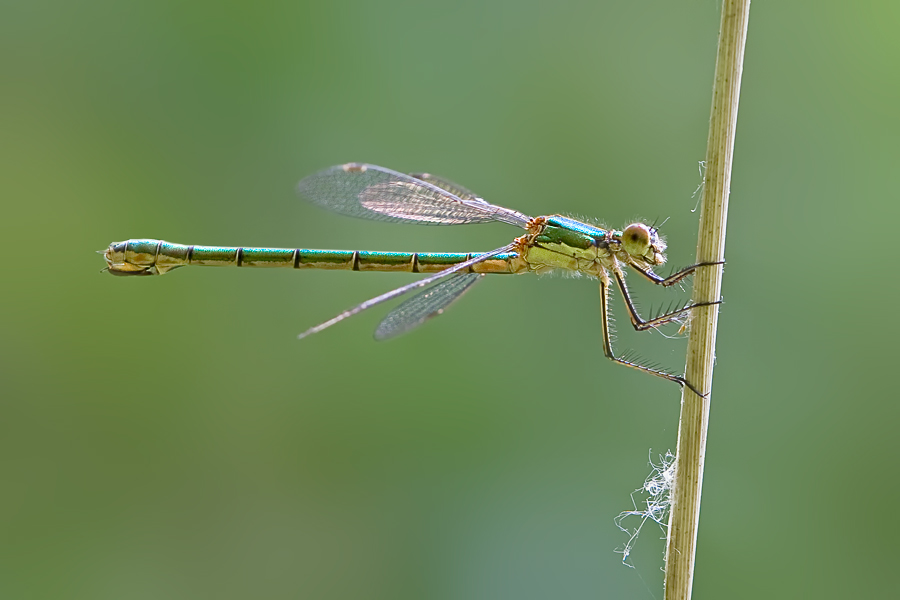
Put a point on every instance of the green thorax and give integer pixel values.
(564, 231)
(567, 244)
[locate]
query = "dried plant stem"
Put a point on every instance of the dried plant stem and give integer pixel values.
(691, 453)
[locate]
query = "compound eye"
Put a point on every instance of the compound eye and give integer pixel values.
(636, 239)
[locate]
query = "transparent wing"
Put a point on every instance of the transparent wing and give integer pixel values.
(445, 184)
(458, 268)
(425, 305)
(379, 194)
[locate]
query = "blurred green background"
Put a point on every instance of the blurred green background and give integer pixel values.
(170, 437)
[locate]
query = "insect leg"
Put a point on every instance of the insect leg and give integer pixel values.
(674, 277)
(636, 320)
(607, 342)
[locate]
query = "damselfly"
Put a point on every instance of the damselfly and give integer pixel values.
(370, 192)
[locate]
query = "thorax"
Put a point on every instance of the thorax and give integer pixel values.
(558, 242)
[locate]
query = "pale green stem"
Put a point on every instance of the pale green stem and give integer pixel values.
(691, 453)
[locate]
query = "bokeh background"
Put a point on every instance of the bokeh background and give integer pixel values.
(170, 437)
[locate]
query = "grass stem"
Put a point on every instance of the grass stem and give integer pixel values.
(691, 453)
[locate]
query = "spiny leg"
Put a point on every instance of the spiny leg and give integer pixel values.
(674, 277)
(607, 342)
(636, 320)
